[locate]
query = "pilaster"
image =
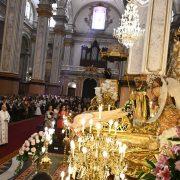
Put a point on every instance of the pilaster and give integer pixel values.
(68, 43)
(44, 11)
(58, 47)
(149, 54)
(11, 48)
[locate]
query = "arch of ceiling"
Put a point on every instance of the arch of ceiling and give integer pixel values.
(95, 2)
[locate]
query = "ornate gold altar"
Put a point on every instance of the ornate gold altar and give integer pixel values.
(114, 53)
(112, 141)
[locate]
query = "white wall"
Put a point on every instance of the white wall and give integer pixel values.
(82, 27)
(84, 36)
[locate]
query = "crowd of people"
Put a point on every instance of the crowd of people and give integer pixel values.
(20, 107)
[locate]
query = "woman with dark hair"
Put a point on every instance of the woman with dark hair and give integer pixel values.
(42, 176)
(62, 113)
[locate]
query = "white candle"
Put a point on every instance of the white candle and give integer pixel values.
(122, 176)
(105, 154)
(79, 142)
(62, 175)
(100, 111)
(116, 126)
(110, 125)
(83, 122)
(70, 169)
(109, 107)
(84, 151)
(72, 145)
(91, 124)
(98, 128)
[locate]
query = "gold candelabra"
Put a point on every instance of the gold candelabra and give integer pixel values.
(97, 155)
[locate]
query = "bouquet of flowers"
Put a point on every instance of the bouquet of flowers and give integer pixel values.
(106, 92)
(33, 149)
(168, 162)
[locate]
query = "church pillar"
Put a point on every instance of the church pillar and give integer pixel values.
(157, 37)
(33, 44)
(44, 11)
(149, 54)
(11, 48)
(68, 43)
(58, 47)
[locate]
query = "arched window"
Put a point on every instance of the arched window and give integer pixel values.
(99, 18)
(29, 12)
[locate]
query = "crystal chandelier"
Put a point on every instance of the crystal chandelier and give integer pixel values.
(129, 30)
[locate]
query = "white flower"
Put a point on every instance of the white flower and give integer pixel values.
(27, 149)
(37, 136)
(33, 142)
(23, 148)
(27, 144)
(49, 116)
(33, 150)
(33, 135)
(41, 133)
(30, 139)
(21, 152)
(37, 141)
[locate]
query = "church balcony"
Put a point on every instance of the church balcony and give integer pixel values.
(87, 71)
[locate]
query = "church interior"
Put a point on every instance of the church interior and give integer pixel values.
(89, 89)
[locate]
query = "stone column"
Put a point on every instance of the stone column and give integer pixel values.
(157, 37)
(68, 43)
(44, 11)
(58, 47)
(11, 48)
(153, 48)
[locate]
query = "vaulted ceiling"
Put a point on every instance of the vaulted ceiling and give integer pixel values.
(118, 4)
(78, 4)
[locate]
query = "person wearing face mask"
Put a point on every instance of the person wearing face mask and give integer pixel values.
(4, 120)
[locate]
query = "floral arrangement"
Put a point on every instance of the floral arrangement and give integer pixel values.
(33, 149)
(107, 88)
(128, 107)
(167, 166)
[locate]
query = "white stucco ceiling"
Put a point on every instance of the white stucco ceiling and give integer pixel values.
(78, 4)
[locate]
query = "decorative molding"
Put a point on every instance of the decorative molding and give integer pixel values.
(37, 81)
(8, 75)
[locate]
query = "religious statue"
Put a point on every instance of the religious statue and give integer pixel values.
(165, 94)
(140, 102)
(4, 119)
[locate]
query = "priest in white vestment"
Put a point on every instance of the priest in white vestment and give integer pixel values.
(4, 119)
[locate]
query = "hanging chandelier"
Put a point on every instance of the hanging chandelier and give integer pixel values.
(129, 30)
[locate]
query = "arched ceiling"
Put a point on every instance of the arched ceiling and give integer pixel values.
(78, 4)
